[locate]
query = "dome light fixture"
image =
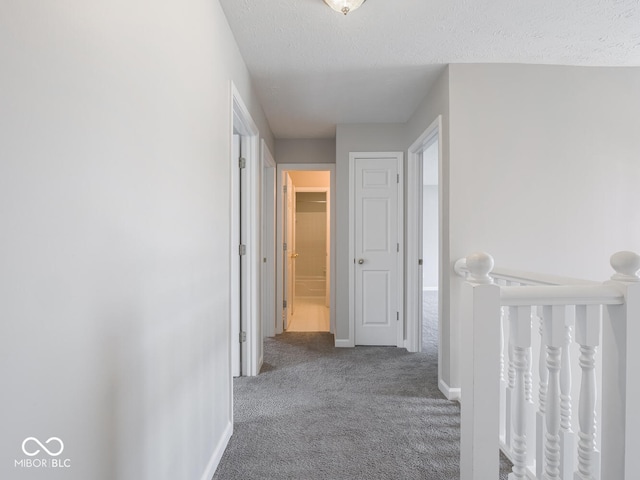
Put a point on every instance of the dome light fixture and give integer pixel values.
(344, 6)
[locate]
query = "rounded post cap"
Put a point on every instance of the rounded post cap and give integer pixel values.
(626, 264)
(480, 264)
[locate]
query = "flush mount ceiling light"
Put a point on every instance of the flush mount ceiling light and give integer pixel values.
(344, 6)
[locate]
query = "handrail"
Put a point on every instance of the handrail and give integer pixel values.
(518, 276)
(533, 278)
(561, 295)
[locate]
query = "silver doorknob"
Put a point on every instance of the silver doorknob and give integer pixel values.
(361, 261)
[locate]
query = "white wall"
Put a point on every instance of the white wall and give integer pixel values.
(313, 150)
(544, 167)
(114, 243)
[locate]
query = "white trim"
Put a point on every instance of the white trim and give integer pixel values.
(414, 222)
(400, 284)
(268, 243)
(449, 392)
(218, 451)
(242, 121)
(234, 271)
(286, 167)
(348, 343)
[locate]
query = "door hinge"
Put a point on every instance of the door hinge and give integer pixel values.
(398, 178)
(243, 162)
(284, 246)
(284, 304)
(243, 337)
(397, 316)
(398, 247)
(243, 249)
(419, 261)
(284, 189)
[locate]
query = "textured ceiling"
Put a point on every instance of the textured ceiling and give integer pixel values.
(314, 68)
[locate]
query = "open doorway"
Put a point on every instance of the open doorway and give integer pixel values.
(305, 234)
(429, 203)
(309, 284)
(424, 229)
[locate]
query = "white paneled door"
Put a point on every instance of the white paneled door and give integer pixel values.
(377, 250)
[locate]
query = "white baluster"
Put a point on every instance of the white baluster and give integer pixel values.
(528, 379)
(520, 336)
(588, 337)
(502, 377)
(509, 395)
(567, 443)
(565, 382)
(503, 383)
(542, 399)
(530, 407)
(554, 322)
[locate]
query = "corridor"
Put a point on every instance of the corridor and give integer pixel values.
(316, 412)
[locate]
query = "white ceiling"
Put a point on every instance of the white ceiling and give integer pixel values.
(314, 68)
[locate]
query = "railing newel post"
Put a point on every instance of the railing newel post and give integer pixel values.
(620, 380)
(480, 375)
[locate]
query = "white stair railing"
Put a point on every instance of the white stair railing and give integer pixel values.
(497, 406)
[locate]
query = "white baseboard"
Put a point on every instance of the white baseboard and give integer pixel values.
(344, 343)
(449, 392)
(260, 362)
(217, 453)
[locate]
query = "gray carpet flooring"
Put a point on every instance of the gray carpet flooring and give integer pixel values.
(317, 412)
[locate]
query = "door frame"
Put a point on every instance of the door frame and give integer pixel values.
(414, 238)
(268, 221)
(331, 168)
(289, 237)
(251, 197)
(353, 156)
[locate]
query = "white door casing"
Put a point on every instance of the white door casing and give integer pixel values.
(235, 267)
(268, 242)
(293, 251)
(250, 198)
(377, 253)
(245, 283)
(288, 266)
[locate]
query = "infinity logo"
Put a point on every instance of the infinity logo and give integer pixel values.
(33, 439)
